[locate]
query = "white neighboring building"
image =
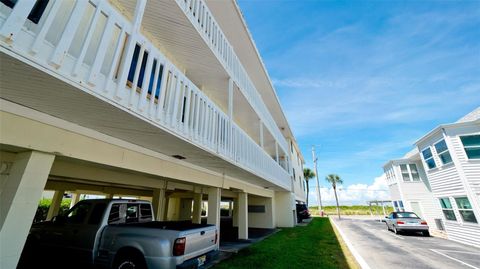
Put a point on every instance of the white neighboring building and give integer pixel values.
(410, 189)
(440, 179)
(451, 157)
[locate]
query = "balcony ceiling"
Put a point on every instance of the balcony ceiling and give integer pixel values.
(169, 29)
(229, 16)
(26, 85)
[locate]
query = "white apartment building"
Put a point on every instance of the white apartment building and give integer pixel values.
(449, 157)
(167, 100)
(410, 189)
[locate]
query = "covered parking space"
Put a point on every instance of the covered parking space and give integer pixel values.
(27, 174)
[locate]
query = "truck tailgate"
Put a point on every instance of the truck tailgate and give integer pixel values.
(200, 241)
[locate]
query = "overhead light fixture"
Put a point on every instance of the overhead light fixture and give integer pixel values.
(178, 157)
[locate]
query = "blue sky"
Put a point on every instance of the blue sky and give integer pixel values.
(365, 79)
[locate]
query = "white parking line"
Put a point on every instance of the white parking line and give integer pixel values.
(461, 251)
(451, 258)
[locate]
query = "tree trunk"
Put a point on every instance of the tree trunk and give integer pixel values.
(336, 199)
(308, 191)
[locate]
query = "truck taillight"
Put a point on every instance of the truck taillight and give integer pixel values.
(400, 222)
(216, 237)
(179, 246)
(423, 223)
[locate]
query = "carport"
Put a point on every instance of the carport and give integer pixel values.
(377, 203)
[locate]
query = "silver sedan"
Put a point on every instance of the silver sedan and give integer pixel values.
(406, 221)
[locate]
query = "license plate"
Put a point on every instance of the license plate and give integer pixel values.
(201, 260)
(412, 223)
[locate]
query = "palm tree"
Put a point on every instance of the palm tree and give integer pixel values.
(335, 179)
(308, 174)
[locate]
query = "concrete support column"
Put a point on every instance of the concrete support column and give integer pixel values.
(75, 199)
(197, 208)
(185, 209)
(243, 215)
(284, 209)
(158, 203)
(230, 208)
(19, 198)
(235, 212)
(165, 212)
(214, 197)
(55, 205)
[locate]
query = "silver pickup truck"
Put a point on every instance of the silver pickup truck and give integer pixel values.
(120, 234)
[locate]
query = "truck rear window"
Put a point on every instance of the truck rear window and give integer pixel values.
(130, 213)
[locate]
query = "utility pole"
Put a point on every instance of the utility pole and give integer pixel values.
(318, 184)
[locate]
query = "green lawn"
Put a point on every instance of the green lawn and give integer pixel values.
(313, 246)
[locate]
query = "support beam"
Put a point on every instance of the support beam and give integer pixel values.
(243, 215)
(214, 196)
(165, 212)
(19, 198)
(109, 196)
(75, 199)
(230, 209)
(158, 203)
(55, 205)
(185, 209)
(197, 208)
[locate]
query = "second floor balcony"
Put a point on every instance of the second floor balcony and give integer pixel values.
(90, 64)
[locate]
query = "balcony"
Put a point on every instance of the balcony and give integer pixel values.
(88, 63)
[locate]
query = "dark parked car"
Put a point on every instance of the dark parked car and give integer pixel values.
(302, 212)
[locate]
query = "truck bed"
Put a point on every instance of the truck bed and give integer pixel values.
(167, 225)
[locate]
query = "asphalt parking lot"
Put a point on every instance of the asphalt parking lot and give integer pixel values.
(380, 248)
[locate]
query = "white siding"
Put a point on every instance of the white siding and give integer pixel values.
(471, 168)
(445, 181)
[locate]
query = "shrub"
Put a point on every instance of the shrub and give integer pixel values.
(44, 205)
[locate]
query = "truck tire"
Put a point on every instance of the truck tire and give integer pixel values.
(129, 260)
(426, 233)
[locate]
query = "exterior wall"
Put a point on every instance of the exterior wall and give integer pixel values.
(410, 192)
(284, 209)
(261, 220)
(298, 185)
(460, 178)
(394, 192)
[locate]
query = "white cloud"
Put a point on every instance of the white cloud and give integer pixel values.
(355, 194)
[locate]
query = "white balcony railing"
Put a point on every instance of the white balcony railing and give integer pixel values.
(201, 17)
(107, 56)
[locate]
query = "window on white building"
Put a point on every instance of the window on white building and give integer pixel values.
(465, 209)
(447, 209)
(471, 144)
(428, 157)
(405, 174)
(443, 153)
(409, 172)
(414, 172)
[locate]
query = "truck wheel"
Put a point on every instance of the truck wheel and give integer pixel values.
(426, 233)
(130, 261)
